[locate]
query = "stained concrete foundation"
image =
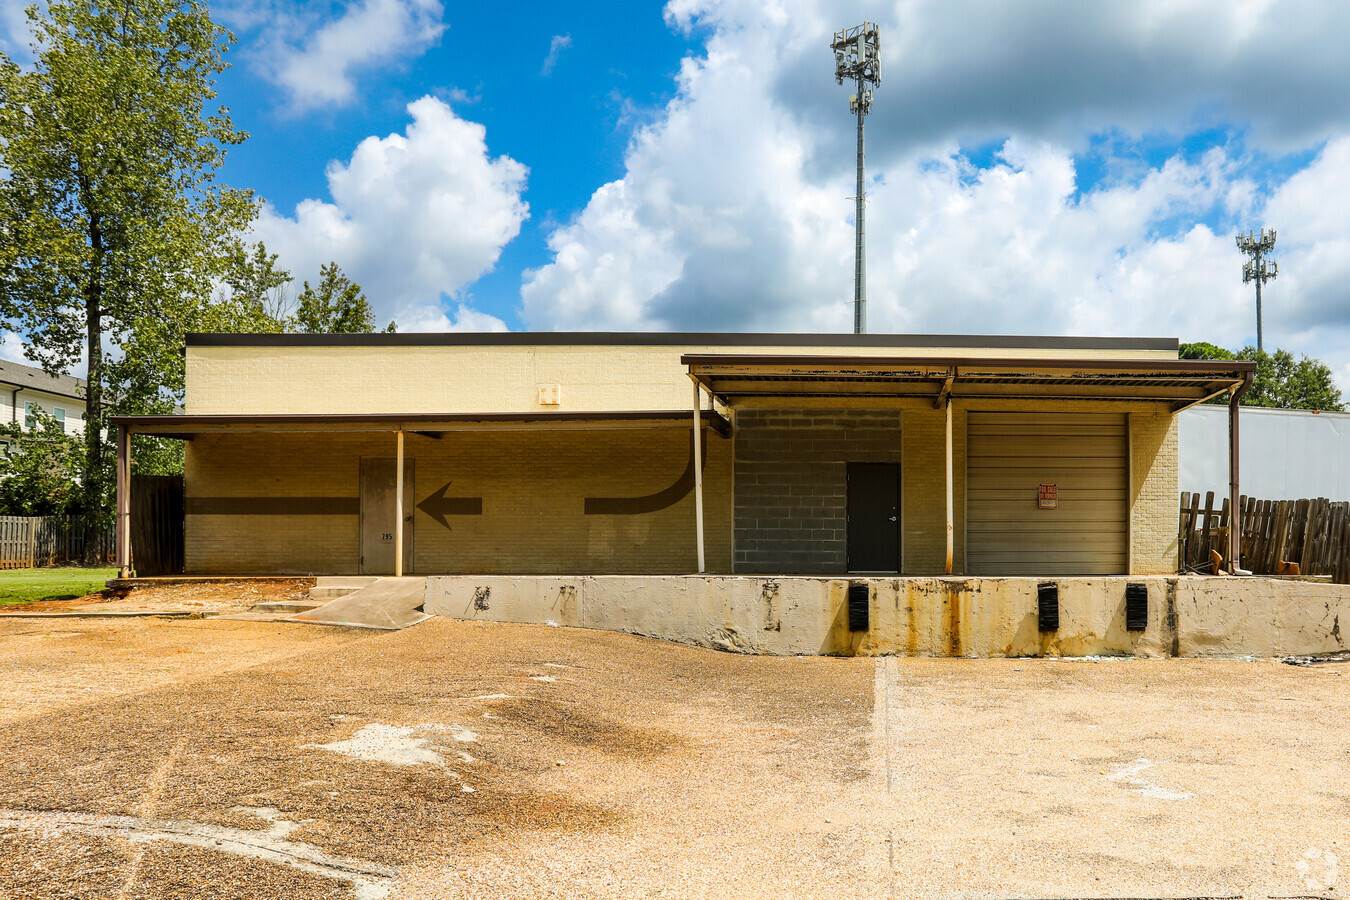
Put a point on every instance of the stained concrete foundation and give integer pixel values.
(972, 617)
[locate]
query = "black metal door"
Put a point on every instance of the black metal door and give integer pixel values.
(873, 517)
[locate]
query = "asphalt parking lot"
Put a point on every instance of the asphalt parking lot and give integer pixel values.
(153, 758)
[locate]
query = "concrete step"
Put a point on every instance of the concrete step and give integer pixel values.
(286, 606)
(333, 587)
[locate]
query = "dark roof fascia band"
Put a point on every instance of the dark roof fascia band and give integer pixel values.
(676, 339)
(940, 364)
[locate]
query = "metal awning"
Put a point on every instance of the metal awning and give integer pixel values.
(434, 425)
(1179, 383)
(185, 427)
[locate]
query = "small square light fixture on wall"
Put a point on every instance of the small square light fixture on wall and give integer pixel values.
(550, 395)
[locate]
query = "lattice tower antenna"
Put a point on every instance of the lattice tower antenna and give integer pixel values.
(857, 55)
(1257, 268)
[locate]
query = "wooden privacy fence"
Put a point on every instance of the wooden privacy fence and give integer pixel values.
(157, 524)
(27, 541)
(1278, 537)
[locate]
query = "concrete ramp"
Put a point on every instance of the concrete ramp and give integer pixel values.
(387, 604)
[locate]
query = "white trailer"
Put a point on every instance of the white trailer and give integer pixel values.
(1287, 454)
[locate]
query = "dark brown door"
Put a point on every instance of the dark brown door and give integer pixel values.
(874, 517)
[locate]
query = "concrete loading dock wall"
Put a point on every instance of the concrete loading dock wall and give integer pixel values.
(974, 617)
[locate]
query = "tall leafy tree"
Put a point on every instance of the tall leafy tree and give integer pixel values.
(255, 292)
(1281, 380)
(112, 223)
(336, 306)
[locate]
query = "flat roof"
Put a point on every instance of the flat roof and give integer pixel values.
(677, 339)
(1178, 382)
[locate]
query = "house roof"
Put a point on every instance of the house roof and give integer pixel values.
(16, 375)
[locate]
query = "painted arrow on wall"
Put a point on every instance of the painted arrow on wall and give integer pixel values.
(438, 506)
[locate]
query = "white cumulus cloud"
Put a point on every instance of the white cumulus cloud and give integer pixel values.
(734, 212)
(412, 217)
(316, 62)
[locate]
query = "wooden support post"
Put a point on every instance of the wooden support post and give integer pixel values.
(398, 511)
(122, 531)
(951, 524)
(698, 477)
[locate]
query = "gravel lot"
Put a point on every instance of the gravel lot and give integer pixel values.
(229, 759)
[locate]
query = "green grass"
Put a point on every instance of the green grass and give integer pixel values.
(58, 583)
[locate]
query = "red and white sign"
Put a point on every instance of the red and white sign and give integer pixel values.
(1049, 496)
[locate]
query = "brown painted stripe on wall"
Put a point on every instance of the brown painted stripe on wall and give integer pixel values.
(274, 506)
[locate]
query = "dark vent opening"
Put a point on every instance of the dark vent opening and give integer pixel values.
(1047, 597)
(858, 606)
(1136, 607)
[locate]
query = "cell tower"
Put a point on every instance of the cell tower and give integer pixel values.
(1256, 269)
(857, 55)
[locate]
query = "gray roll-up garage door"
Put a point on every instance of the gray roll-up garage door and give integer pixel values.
(1081, 460)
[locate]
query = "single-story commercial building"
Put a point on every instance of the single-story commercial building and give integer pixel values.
(532, 453)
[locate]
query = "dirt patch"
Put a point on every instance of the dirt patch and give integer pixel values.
(60, 867)
(570, 724)
(192, 873)
(48, 665)
(204, 597)
(574, 734)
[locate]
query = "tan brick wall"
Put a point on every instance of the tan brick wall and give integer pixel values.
(924, 487)
(1154, 496)
(533, 486)
(451, 379)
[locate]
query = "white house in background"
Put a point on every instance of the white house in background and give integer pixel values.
(25, 388)
(1287, 454)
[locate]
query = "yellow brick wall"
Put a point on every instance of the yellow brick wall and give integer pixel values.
(453, 379)
(533, 486)
(1154, 496)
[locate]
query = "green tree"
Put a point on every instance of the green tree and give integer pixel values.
(111, 220)
(255, 294)
(40, 470)
(1281, 380)
(1204, 350)
(336, 306)
(1288, 383)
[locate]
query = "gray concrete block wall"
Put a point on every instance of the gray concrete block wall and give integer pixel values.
(790, 484)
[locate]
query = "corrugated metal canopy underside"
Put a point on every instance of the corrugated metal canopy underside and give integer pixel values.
(1179, 383)
(185, 427)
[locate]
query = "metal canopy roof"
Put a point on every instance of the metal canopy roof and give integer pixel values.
(1180, 383)
(186, 427)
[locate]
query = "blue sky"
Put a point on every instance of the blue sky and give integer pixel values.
(558, 86)
(1045, 166)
